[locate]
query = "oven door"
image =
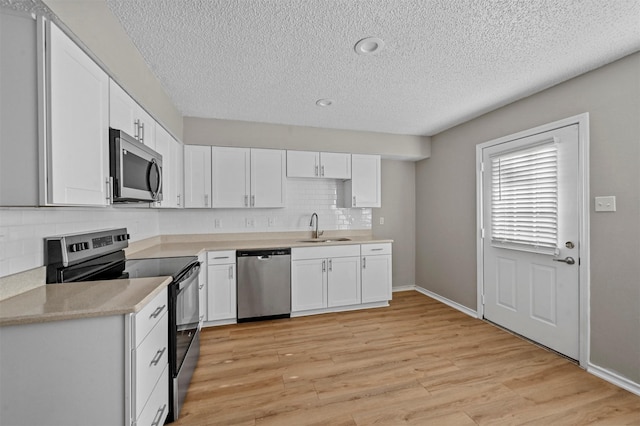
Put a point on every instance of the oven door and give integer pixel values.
(187, 309)
(136, 169)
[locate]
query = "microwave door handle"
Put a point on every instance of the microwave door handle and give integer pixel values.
(155, 193)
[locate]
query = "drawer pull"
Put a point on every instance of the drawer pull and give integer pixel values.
(156, 420)
(158, 311)
(364, 263)
(156, 359)
(377, 249)
(221, 257)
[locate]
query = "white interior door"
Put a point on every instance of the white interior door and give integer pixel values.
(531, 222)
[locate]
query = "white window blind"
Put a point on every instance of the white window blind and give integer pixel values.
(524, 199)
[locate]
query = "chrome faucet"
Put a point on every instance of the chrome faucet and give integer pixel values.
(315, 233)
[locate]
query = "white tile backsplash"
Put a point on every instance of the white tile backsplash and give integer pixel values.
(22, 229)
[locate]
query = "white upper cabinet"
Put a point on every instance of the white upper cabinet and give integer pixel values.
(78, 125)
(231, 176)
(309, 164)
(127, 115)
(244, 177)
(197, 176)
(172, 169)
(267, 178)
(363, 190)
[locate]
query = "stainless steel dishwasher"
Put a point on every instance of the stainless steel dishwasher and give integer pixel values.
(264, 284)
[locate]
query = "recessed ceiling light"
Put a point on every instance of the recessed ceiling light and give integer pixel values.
(324, 102)
(369, 46)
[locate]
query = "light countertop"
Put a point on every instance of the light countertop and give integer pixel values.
(56, 302)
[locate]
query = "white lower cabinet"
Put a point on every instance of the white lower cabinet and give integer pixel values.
(110, 370)
(376, 272)
(202, 282)
(325, 277)
(221, 287)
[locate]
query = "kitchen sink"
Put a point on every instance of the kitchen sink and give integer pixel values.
(324, 240)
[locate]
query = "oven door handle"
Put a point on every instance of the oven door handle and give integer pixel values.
(193, 276)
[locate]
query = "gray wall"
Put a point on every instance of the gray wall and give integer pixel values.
(445, 203)
(399, 213)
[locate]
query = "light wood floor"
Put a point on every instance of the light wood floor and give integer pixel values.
(416, 362)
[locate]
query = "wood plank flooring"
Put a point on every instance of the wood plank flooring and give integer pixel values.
(416, 362)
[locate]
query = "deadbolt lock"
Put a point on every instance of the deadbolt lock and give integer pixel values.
(569, 245)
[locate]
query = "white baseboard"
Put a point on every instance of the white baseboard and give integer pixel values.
(454, 305)
(614, 378)
(408, 287)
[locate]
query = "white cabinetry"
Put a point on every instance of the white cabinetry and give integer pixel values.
(127, 115)
(202, 283)
(376, 272)
(110, 370)
(172, 168)
(244, 177)
(309, 164)
(78, 126)
(325, 277)
(197, 176)
(221, 287)
(363, 190)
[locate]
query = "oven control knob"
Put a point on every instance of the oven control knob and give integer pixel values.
(85, 246)
(73, 248)
(122, 237)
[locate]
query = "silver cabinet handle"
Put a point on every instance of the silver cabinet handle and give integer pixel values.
(109, 189)
(246, 201)
(158, 417)
(253, 200)
(157, 312)
(322, 171)
(231, 272)
(568, 260)
(136, 125)
(324, 266)
(178, 199)
(377, 249)
(354, 201)
(316, 173)
(364, 263)
(221, 257)
(142, 132)
(158, 356)
(206, 200)
(330, 265)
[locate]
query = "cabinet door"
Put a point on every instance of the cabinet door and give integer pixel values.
(202, 283)
(163, 146)
(77, 147)
(303, 164)
(335, 165)
(308, 284)
(230, 177)
(177, 160)
(376, 278)
(365, 181)
(267, 178)
(221, 292)
(343, 283)
(146, 127)
(122, 110)
(197, 176)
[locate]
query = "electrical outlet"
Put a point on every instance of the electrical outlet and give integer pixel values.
(606, 204)
(381, 220)
(271, 221)
(217, 223)
(249, 222)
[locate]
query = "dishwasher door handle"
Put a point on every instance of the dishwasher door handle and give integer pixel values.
(266, 256)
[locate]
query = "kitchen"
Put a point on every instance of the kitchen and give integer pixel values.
(410, 239)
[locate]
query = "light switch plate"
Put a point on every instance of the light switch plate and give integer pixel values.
(606, 204)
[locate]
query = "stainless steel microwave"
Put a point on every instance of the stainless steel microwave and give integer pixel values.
(135, 169)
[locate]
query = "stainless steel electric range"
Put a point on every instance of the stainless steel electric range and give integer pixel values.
(99, 255)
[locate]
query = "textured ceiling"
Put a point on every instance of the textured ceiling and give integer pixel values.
(444, 61)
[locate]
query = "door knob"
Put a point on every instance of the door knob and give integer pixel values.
(568, 260)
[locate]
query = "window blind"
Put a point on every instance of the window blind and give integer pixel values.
(524, 199)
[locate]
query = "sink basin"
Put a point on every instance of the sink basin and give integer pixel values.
(324, 240)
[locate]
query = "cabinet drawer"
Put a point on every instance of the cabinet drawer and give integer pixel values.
(156, 410)
(221, 257)
(149, 316)
(152, 356)
(301, 253)
(375, 249)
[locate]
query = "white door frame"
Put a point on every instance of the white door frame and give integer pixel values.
(582, 120)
